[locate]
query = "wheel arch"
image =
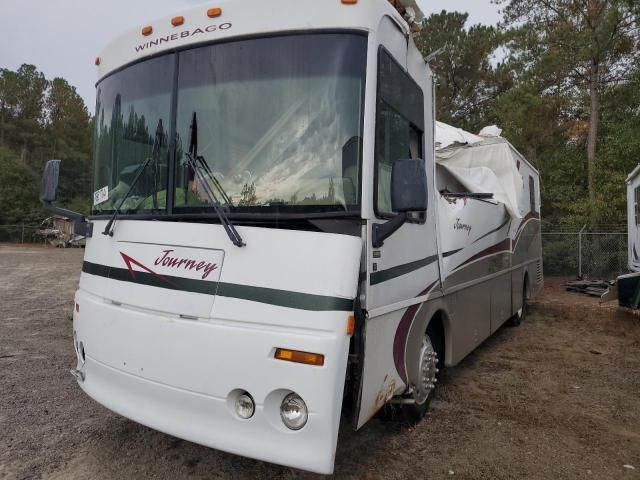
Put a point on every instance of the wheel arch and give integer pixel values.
(431, 315)
(439, 323)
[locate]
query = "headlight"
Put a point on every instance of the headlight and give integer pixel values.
(245, 406)
(293, 412)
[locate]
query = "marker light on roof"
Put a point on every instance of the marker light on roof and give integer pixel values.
(148, 30)
(214, 12)
(177, 21)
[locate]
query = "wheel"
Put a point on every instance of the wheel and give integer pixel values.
(421, 393)
(521, 314)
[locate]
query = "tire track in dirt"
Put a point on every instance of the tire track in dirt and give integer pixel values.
(558, 397)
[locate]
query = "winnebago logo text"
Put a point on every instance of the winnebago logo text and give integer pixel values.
(462, 226)
(183, 34)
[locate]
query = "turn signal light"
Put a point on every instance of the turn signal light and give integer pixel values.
(351, 325)
(148, 30)
(177, 21)
(299, 357)
(214, 12)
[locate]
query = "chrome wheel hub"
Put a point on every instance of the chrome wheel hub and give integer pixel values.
(427, 371)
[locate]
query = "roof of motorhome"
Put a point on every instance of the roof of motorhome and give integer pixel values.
(448, 138)
(484, 163)
(447, 135)
(633, 174)
(244, 18)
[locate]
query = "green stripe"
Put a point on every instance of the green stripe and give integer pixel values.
(285, 298)
(271, 296)
(177, 283)
(383, 275)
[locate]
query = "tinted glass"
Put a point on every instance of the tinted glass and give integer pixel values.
(532, 194)
(399, 90)
(637, 204)
(399, 116)
(131, 125)
(392, 143)
(279, 122)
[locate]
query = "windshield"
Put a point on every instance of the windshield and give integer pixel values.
(132, 114)
(279, 126)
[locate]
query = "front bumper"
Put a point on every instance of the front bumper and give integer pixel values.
(178, 376)
(209, 420)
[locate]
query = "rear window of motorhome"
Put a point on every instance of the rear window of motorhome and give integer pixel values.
(637, 203)
(532, 193)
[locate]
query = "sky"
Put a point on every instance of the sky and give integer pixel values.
(63, 37)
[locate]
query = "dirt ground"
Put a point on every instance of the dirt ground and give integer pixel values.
(557, 398)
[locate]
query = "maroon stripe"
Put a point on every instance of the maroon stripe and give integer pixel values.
(498, 247)
(402, 332)
(528, 217)
(519, 231)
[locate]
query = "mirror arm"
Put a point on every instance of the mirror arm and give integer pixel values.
(382, 231)
(81, 226)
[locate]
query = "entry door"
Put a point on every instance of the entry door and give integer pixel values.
(406, 266)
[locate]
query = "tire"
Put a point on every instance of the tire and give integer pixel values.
(521, 314)
(431, 362)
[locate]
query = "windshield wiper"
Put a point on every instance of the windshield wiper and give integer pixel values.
(202, 171)
(157, 143)
(108, 230)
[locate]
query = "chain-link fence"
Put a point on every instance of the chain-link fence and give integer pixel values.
(598, 252)
(585, 252)
(22, 233)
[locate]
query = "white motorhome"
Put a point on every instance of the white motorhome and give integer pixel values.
(628, 285)
(273, 235)
(633, 219)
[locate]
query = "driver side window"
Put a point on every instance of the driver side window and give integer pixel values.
(399, 125)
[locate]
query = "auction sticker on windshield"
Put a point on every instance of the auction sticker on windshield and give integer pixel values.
(101, 195)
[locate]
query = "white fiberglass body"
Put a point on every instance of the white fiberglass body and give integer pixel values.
(633, 219)
(171, 349)
(297, 114)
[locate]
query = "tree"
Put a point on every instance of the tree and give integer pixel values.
(592, 46)
(619, 151)
(467, 81)
(68, 134)
(8, 102)
(18, 190)
(248, 194)
(40, 120)
(21, 106)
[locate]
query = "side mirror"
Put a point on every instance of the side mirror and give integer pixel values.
(409, 186)
(49, 194)
(49, 185)
(408, 194)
